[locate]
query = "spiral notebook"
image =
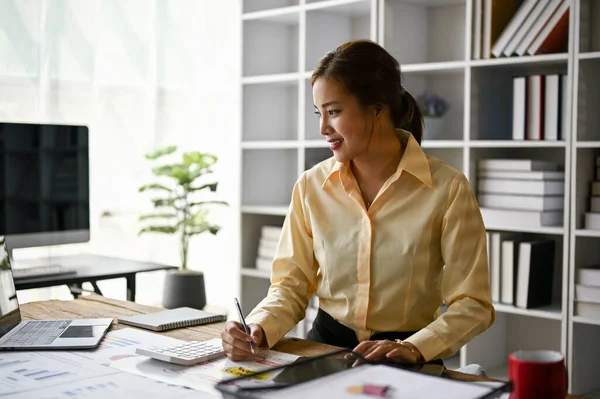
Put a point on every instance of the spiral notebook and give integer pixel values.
(172, 318)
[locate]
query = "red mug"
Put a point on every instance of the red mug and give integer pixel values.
(538, 374)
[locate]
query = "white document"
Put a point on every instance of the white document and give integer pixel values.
(120, 385)
(402, 384)
(202, 376)
(22, 371)
(122, 343)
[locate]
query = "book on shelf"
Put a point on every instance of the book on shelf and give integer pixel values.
(271, 232)
(518, 187)
(539, 107)
(520, 219)
(555, 34)
(587, 309)
(511, 28)
(525, 165)
(496, 15)
(587, 293)
(495, 262)
(589, 275)
(595, 191)
(517, 175)
(522, 202)
(264, 264)
(508, 269)
(537, 27)
(525, 27)
(592, 220)
(594, 204)
(477, 28)
(535, 273)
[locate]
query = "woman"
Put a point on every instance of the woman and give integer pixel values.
(380, 232)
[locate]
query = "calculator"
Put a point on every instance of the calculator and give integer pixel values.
(187, 353)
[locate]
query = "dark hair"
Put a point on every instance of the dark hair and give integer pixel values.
(369, 72)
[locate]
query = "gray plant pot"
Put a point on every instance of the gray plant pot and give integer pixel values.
(184, 288)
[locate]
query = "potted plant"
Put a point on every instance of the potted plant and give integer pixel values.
(433, 107)
(179, 212)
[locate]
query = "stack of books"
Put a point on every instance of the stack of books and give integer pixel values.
(535, 27)
(592, 218)
(539, 107)
(267, 246)
(521, 269)
(520, 193)
(587, 292)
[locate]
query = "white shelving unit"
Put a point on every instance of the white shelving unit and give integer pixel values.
(478, 126)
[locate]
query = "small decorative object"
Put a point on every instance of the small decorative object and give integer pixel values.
(179, 212)
(433, 107)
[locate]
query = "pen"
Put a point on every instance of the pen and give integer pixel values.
(243, 321)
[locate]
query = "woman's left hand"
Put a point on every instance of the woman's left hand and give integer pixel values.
(384, 350)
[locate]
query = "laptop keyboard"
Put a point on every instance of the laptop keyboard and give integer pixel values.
(34, 333)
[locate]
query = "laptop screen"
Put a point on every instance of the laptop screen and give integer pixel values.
(9, 306)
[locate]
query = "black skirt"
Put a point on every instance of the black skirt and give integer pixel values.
(329, 331)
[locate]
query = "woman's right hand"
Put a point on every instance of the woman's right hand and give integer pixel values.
(236, 342)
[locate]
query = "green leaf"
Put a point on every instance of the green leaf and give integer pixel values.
(213, 229)
(167, 170)
(158, 229)
(191, 204)
(158, 216)
(161, 152)
(200, 160)
(154, 186)
(212, 186)
(158, 202)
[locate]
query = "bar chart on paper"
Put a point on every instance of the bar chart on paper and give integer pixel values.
(21, 371)
(119, 385)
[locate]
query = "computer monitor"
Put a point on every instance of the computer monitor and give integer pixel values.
(44, 184)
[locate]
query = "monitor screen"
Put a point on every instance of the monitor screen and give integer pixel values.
(9, 306)
(44, 184)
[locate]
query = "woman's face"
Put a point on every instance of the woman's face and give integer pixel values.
(345, 123)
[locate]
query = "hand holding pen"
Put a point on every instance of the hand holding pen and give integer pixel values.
(241, 340)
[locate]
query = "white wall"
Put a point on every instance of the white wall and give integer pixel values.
(201, 112)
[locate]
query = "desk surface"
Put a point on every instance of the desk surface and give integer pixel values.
(88, 267)
(99, 306)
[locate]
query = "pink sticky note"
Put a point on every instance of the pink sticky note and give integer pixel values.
(375, 390)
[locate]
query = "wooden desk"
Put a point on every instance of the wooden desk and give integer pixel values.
(99, 306)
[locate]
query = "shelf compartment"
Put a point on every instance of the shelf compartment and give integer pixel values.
(428, 25)
(253, 272)
(268, 176)
(252, 224)
(253, 290)
(524, 62)
(516, 143)
(448, 85)
(585, 170)
(589, 26)
(270, 111)
(327, 28)
(509, 333)
(551, 312)
(313, 156)
(452, 156)
(252, 6)
(588, 96)
(270, 45)
(492, 98)
(585, 359)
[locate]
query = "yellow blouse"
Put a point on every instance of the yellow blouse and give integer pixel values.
(389, 267)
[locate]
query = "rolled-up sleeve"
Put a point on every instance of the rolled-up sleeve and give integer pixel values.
(465, 283)
(293, 273)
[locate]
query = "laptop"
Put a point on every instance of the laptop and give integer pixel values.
(16, 334)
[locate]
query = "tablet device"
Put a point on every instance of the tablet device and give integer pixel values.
(307, 369)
